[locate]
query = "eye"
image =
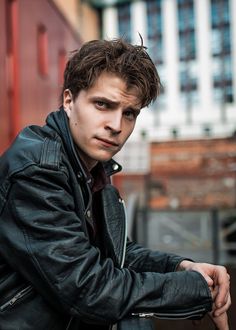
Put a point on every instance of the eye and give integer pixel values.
(131, 114)
(101, 104)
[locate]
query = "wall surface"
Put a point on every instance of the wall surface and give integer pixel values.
(4, 122)
(81, 16)
(35, 42)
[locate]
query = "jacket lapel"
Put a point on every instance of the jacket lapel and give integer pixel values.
(114, 224)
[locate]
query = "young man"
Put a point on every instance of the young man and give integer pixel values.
(65, 261)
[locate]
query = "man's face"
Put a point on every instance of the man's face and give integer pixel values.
(102, 118)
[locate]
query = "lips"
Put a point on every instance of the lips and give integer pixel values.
(108, 142)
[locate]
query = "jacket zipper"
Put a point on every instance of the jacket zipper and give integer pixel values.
(174, 315)
(18, 296)
(125, 238)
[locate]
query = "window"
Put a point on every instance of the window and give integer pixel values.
(221, 51)
(155, 30)
(42, 51)
(186, 26)
(155, 46)
(223, 94)
(222, 68)
(220, 23)
(221, 42)
(188, 82)
(219, 12)
(188, 78)
(124, 21)
(187, 45)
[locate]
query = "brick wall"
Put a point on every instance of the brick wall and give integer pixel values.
(193, 174)
(187, 174)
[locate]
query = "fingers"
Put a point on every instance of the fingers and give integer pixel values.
(218, 311)
(205, 270)
(218, 281)
(222, 282)
(221, 322)
(209, 280)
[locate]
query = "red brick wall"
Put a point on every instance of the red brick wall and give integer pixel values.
(194, 174)
(187, 174)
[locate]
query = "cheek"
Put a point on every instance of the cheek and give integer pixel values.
(82, 131)
(129, 130)
(126, 134)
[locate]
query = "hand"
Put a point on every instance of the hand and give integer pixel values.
(221, 322)
(218, 281)
(219, 317)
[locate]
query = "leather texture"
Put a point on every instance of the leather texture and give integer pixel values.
(52, 274)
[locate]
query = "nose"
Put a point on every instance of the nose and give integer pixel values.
(114, 122)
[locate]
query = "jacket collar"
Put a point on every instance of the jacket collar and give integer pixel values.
(58, 120)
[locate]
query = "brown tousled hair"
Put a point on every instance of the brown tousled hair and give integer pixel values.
(130, 62)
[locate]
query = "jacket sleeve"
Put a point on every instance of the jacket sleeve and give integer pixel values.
(143, 259)
(52, 251)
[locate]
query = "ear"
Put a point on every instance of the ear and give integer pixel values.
(67, 101)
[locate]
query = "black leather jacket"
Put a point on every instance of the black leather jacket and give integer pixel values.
(51, 275)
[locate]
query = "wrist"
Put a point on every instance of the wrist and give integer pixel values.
(184, 265)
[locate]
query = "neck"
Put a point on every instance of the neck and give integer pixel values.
(87, 161)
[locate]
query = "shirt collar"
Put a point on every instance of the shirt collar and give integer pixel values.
(97, 178)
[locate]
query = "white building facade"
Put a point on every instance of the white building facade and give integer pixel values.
(193, 44)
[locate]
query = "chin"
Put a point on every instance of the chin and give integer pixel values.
(104, 158)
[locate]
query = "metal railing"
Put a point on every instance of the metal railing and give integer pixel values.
(203, 235)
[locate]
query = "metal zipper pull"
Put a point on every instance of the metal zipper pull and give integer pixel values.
(16, 297)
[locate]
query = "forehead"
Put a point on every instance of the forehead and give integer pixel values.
(113, 86)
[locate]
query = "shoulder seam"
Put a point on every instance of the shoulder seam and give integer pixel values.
(50, 154)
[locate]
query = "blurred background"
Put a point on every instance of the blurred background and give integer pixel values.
(179, 167)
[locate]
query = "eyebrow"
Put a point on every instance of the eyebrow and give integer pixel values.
(113, 103)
